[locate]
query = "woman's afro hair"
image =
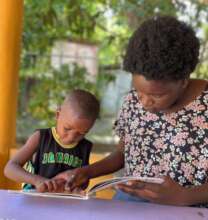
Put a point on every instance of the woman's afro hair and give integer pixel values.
(162, 48)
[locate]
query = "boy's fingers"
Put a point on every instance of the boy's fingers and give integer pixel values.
(42, 187)
(54, 185)
(59, 181)
(76, 190)
(136, 184)
(49, 186)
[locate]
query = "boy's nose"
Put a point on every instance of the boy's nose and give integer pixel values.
(74, 135)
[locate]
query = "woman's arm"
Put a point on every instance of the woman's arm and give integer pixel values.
(14, 168)
(197, 194)
(80, 176)
(110, 164)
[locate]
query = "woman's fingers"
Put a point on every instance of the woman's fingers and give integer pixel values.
(138, 192)
(69, 183)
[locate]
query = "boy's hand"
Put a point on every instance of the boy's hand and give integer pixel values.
(74, 178)
(50, 185)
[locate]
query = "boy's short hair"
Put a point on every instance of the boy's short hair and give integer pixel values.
(85, 103)
(162, 48)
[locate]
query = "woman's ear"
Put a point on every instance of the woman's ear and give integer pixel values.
(185, 83)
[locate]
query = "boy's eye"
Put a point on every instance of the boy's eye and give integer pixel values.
(67, 129)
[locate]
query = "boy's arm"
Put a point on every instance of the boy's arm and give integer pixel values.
(78, 177)
(14, 169)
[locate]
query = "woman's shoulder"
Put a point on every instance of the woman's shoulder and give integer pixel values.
(131, 95)
(198, 91)
(202, 84)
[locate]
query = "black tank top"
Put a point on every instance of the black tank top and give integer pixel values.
(51, 158)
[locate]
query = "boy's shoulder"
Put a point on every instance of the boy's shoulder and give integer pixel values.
(44, 132)
(86, 142)
(43, 129)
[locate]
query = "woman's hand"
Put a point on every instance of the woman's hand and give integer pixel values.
(74, 179)
(169, 192)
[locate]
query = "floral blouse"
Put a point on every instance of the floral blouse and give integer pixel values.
(174, 144)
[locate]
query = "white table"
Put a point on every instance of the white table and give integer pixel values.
(23, 207)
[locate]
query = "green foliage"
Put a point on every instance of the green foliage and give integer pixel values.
(51, 88)
(48, 90)
(107, 23)
(195, 13)
(48, 20)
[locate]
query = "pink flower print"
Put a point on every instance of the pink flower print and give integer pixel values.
(159, 143)
(203, 164)
(164, 166)
(134, 124)
(139, 169)
(206, 96)
(138, 105)
(195, 106)
(195, 163)
(194, 151)
(141, 131)
(127, 139)
(150, 117)
(166, 157)
(201, 107)
(129, 97)
(192, 105)
(155, 170)
(188, 170)
(170, 118)
(179, 139)
(199, 121)
(134, 152)
(190, 140)
(206, 140)
(177, 158)
(125, 115)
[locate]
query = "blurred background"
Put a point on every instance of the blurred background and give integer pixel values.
(80, 44)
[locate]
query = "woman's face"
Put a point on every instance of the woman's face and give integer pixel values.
(158, 95)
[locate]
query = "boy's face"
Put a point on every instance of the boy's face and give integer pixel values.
(70, 127)
(157, 95)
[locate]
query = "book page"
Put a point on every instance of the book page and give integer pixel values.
(100, 186)
(51, 195)
(118, 180)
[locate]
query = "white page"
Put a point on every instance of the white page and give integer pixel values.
(99, 186)
(118, 180)
(51, 195)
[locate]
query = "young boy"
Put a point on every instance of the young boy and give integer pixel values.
(57, 149)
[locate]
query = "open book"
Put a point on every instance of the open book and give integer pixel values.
(99, 186)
